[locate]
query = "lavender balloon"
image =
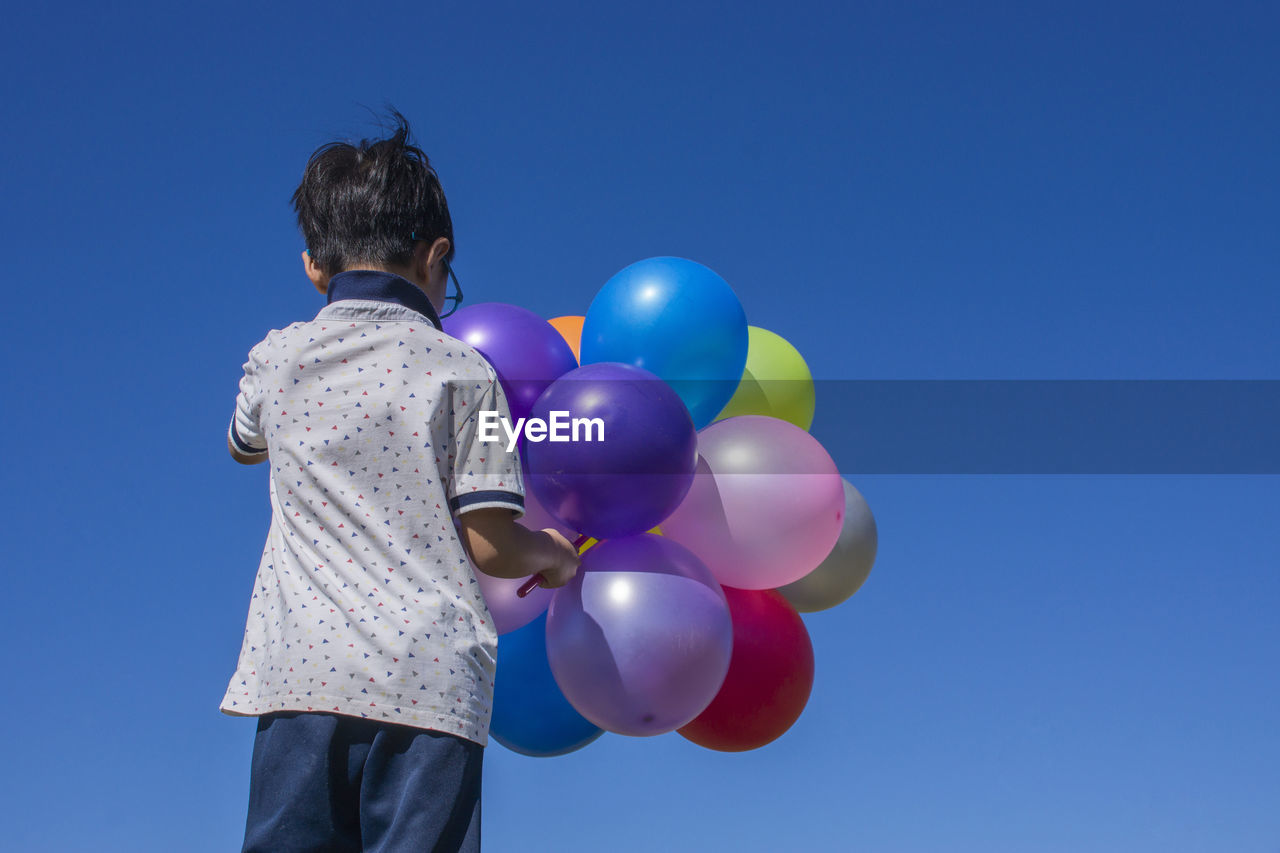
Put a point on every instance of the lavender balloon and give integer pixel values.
(511, 612)
(526, 351)
(766, 504)
(639, 641)
(629, 474)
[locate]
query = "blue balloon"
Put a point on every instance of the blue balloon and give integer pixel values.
(530, 714)
(678, 320)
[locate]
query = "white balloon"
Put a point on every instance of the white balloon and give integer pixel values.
(846, 568)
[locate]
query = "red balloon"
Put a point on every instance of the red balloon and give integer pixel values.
(770, 675)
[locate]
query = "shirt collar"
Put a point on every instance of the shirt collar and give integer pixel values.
(382, 287)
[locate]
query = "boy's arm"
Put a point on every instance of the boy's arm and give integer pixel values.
(487, 493)
(504, 549)
(483, 474)
(244, 458)
(245, 440)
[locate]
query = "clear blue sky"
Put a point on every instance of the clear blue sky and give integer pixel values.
(903, 190)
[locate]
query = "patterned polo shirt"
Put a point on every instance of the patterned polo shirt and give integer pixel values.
(365, 602)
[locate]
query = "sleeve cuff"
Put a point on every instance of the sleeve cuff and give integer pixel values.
(241, 445)
(485, 499)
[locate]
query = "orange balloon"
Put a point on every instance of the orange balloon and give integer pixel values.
(570, 328)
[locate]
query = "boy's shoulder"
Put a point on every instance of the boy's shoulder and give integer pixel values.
(274, 341)
(470, 361)
(275, 336)
(459, 360)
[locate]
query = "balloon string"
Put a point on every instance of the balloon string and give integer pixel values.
(532, 583)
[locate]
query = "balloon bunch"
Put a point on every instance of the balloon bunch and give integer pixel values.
(711, 517)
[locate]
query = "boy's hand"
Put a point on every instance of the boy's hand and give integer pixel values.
(562, 561)
(244, 458)
(504, 549)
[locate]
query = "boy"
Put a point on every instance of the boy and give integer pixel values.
(369, 654)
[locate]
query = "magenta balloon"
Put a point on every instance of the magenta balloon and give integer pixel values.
(526, 351)
(766, 504)
(511, 612)
(639, 641)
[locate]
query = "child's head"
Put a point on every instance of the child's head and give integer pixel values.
(372, 204)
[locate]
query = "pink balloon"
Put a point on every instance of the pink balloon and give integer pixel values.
(511, 612)
(766, 505)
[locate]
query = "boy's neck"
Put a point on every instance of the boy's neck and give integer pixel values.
(382, 285)
(405, 272)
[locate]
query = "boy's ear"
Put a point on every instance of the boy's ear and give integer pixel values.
(421, 262)
(318, 276)
(440, 247)
(426, 256)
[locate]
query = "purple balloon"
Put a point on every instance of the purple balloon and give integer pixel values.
(525, 350)
(511, 612)
(633, 478)
(639, 641)
(536, 516)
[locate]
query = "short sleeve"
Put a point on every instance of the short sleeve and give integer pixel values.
(485, 473)
(246, 431)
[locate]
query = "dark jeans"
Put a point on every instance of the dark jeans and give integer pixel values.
(333, 783)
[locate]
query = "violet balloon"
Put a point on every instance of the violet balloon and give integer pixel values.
(525, 350)
(629, 474)
(766, 504)
(639, 641)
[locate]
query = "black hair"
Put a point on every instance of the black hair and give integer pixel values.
(360, 203)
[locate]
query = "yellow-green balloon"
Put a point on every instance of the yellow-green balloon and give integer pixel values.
(776, 381)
